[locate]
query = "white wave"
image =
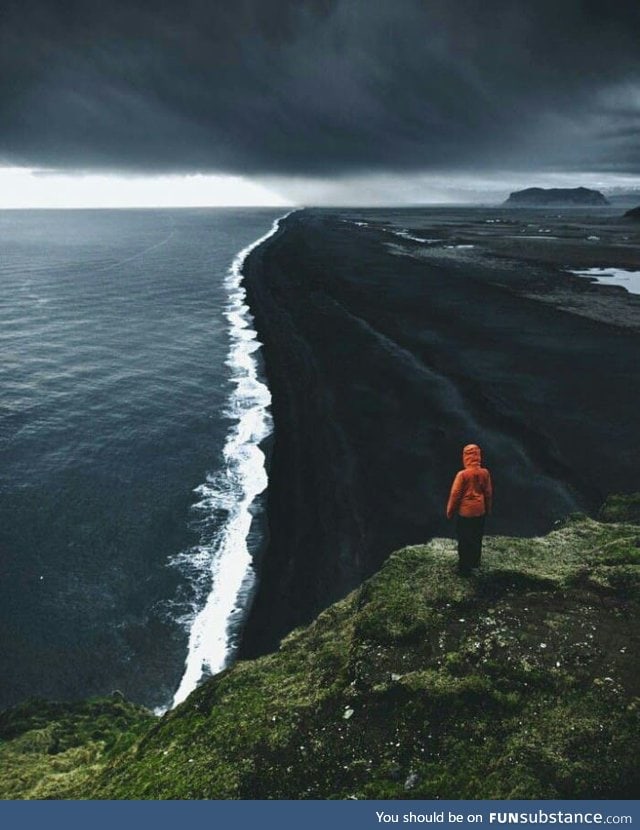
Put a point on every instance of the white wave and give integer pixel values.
(224, 566)
(613, 276)
(407, 235)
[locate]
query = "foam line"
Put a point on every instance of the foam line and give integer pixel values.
(226, 563)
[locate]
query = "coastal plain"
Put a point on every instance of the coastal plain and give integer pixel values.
(394, 337)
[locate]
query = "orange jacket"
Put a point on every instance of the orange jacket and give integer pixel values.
(471, 492)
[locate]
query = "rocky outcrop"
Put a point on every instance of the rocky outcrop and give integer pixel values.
(556, 197)
(633, 214)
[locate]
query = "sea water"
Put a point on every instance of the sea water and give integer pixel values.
(623, 277)
(131, 419)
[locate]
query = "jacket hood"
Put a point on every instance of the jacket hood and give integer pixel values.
(472, 456)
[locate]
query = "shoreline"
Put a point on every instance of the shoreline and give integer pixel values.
(229, 558)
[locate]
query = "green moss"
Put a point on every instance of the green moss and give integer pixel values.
(53, 750)
(519, 682)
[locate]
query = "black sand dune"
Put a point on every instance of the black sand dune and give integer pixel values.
(382, 367)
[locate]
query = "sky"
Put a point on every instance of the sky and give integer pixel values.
(314, 101)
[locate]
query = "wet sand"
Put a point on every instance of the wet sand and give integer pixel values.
(385, 355)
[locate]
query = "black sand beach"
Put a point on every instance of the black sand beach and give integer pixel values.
(385, 355)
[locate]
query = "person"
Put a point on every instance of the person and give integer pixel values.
(470, 501)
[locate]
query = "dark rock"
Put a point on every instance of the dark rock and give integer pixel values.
(556, 197)
(634, 214)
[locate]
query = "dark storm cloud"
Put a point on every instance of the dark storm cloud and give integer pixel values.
(320, 87)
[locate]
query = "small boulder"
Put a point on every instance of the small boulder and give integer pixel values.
(412, 780)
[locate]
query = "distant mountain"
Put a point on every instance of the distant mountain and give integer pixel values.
(556, 197)
(634, 214)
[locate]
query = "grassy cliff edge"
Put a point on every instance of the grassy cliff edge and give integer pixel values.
(520, 682)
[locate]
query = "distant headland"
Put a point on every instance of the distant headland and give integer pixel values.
(634, 214)
(556, 197)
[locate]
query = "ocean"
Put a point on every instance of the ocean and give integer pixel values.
(132, 418)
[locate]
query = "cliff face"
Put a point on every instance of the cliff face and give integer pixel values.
(558, 197)
(520, 682)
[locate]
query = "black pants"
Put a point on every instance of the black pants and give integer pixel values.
(469, 531)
